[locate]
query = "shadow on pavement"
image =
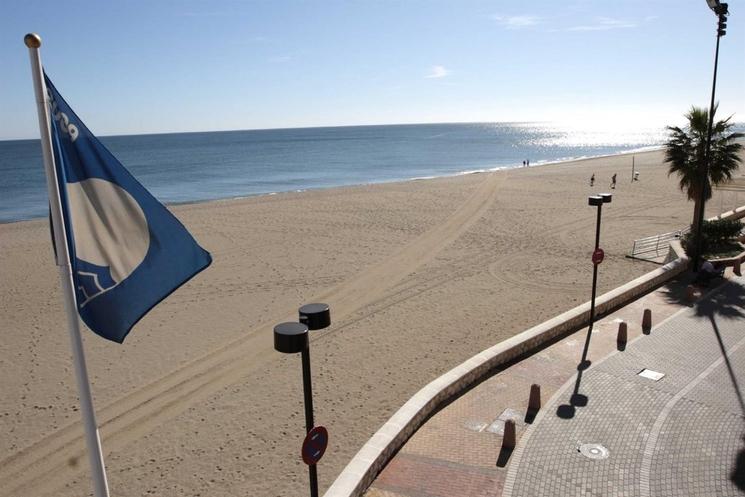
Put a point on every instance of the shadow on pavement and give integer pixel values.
(738, 474)
(729, 304)
(675, 292)
(567, 411)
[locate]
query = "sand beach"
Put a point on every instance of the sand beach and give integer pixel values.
(419, 275)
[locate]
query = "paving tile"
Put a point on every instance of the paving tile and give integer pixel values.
(418, 476)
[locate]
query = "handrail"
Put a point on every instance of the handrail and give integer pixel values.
(655, 246)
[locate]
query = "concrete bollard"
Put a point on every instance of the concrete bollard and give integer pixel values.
(534, 401)
(508, 440)
(736, 269)
(623, 335)
(647, 321)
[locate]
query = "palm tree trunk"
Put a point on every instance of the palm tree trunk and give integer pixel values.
(695, 229)
(696, 221)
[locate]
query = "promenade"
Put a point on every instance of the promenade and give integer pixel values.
(604, 429)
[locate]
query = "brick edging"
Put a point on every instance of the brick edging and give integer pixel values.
(359, 474)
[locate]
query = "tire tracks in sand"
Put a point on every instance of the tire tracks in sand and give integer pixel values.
(52, 461)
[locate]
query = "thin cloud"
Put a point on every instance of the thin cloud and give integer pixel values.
(438, 72)
(517, 22)
(604, 24)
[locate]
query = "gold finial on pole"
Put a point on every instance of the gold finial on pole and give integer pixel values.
(32, 40)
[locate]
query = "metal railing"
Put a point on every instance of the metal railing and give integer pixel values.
(655, 246)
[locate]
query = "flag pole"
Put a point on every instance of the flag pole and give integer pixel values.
(92, 438)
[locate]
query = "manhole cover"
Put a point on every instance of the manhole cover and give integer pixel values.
(593, 451)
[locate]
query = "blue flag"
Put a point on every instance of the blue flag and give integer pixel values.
(127, 251)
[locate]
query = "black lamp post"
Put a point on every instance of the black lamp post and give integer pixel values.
(722, 11)
(577, 399)
(291, 338)
(597, 258)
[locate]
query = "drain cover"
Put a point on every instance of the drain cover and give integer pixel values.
(652, 375)
(593, 451)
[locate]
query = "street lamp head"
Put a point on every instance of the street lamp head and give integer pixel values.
(595, 200)
(290, 337)
(718, 7)
(607, 197)
(315, 316)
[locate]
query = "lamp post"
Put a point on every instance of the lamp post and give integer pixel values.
(597, 258)
(722, 11)
(291, 338)
(577, 399)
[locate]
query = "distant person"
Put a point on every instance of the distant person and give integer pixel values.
(613, 182)
(523, 163)
(592, 179)
(527, 163)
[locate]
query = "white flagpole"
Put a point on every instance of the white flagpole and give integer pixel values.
(92, 438)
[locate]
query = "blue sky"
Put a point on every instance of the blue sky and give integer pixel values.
(193, 65)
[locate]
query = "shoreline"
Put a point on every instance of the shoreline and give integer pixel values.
(542, 163)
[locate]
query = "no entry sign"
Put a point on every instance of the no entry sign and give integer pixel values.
(597, 256)
(314, 445)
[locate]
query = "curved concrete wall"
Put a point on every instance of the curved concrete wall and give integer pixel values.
(369, 461)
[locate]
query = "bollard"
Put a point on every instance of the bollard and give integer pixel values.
(690, 293)
(647, 321)
(622, 333)
(534, 401)
(736, 269)
(508, 441)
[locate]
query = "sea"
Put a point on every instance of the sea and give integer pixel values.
(192, 167)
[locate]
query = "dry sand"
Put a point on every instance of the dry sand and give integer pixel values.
(419, 275)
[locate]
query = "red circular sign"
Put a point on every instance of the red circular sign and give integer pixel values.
(314, 445)
(597, 256)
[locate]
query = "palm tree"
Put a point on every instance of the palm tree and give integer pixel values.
(685, 152)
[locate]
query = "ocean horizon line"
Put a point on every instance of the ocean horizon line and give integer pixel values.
(200, 166)
(568, 124)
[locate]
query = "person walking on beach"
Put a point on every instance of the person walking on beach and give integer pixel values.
(613, 182)
(523, 163)
(592, 179)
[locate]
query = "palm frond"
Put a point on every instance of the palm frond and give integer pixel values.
(685, 152)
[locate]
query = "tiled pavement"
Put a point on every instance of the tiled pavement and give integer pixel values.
(679, 436)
